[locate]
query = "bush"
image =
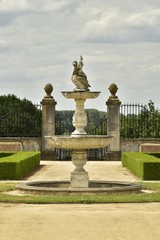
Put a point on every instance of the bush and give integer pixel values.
(144, 166)
(17, 164)
(155, 154)
(6, 154)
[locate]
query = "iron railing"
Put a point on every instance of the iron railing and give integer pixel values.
(22, 121)
(138, 122)
(64, 126)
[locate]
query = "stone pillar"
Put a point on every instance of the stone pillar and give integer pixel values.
(113, 125)
(48, 122)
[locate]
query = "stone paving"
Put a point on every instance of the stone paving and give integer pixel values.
(98, 170)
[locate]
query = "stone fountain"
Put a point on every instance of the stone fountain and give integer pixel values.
(79, 142)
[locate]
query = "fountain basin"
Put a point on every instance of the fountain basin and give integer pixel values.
(79, 141)
(62, 187)
(80, 95)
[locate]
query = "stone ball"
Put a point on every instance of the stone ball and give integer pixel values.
(48, 89)
(113, 89)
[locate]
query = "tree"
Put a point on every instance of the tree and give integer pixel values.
(141, 121)
(149, 121)
(96, 122)
(19, 118)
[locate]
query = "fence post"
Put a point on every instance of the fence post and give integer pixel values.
(113, 125)
(48, 122)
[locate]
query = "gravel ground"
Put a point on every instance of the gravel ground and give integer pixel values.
(80, 222)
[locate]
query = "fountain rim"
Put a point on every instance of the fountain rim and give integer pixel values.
(120, 187)
(80, 95)
(71, 141)
(79, 136)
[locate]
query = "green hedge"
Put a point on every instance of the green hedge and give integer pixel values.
(144, 166)
(6, 154)
(17, 164)
(155, 154)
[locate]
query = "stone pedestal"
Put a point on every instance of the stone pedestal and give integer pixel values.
(48, 123)
(113, 125)
(79, 118)
(79, 177)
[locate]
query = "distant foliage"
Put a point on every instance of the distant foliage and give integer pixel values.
(64, 121)
(143, 123)
(19, 117)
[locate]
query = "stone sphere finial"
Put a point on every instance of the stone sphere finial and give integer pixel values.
(48, 89)
(113, 89)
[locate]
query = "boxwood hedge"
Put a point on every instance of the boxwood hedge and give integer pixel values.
(13, 165)
(143, 165)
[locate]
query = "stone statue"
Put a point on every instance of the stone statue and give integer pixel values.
(79, 78)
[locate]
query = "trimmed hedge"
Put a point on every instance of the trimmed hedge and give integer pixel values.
(6, 154)
(144, 166)
(17, 164)
(155, 154)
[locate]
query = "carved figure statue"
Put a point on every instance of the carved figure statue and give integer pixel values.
(79, 78)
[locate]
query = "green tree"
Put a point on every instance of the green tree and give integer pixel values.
(145, 123)
(149, 121)
(96, 122)
(19, 117)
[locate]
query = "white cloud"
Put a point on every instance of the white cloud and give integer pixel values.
(33, 5)
(40, 39)
(117, 26)
(13, 5)
(154, 68)
(149, 17)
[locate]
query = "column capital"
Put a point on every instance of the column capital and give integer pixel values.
(113, 101)
(48, 101)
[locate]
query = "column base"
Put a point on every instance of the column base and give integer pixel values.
(79, 179)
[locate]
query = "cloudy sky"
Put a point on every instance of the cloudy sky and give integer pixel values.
(118, 39)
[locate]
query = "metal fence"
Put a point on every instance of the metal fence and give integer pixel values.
(139, 122)
(22, 121)
(65, 127)
(136, 121)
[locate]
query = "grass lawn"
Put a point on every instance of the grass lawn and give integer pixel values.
(110, 198)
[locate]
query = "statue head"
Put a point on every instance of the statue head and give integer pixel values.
(75, 63)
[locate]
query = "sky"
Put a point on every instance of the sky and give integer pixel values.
(118, 39)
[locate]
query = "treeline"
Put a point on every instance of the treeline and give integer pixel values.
(64, 120)
(21, 118)
(145, 123)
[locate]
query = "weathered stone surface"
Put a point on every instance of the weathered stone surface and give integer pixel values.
(113, 121)
(79, 142)
(48, 122)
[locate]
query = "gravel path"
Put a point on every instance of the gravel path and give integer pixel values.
(80, 222)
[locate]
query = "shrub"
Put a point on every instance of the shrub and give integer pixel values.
(155, 154)
(144, 166)
(17, 164)
(6, 154)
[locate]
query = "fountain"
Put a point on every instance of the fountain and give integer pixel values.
(79, 142)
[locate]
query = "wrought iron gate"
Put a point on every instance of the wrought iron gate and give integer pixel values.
(63, 128)
(22, 121)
